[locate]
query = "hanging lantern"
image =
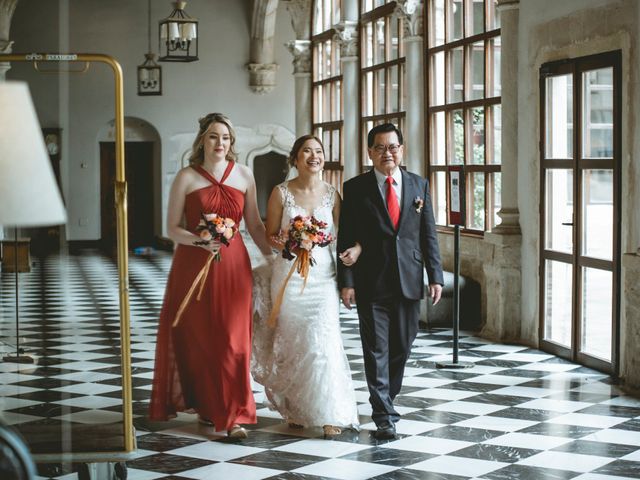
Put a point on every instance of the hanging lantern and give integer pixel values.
(149, 76)
(178, 36)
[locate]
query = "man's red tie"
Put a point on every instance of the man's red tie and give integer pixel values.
(392, 203)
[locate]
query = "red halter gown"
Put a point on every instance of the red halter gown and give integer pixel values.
(202, 364)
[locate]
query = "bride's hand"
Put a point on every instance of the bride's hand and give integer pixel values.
(278, 241)
(350, 255)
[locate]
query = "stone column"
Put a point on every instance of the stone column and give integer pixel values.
(301, 51)
(410, 12)
(7, 7)
(346, 37)
(630, 327)
(300, 48)
(502, 270)
(262, 66)
(509, 19)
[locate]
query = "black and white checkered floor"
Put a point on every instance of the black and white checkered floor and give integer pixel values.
(518, 413)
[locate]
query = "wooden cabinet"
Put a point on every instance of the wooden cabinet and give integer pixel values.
(21, 249)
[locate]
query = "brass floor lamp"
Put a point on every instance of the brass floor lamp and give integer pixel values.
(29, 195)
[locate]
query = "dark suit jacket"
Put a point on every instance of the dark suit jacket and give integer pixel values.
(392, 262)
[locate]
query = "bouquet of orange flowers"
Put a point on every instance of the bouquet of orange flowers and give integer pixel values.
(303, 235)
(213, 227)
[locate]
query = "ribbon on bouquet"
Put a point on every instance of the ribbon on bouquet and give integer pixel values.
(301, 264)
(200, 280)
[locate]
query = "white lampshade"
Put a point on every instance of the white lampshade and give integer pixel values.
(29, 195)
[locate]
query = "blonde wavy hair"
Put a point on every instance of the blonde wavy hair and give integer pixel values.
(197, 151)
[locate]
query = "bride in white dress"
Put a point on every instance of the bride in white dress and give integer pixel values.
(301, 362)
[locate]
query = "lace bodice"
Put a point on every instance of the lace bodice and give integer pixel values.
(323, 212)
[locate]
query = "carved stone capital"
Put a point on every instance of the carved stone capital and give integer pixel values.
(300, 11)
(262, 76)
(510, 221)
(5, 46)
(7, 7)
(508, 4)
(346, 37)
(410, 12)
(301, 51)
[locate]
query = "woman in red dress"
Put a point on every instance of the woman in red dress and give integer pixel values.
(202, 363)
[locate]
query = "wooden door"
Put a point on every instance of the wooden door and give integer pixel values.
(139, 177)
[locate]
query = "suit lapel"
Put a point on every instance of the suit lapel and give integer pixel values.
(408, 194)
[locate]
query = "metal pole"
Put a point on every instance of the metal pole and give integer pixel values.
(15, 265)
(456, 306)
(456, 292)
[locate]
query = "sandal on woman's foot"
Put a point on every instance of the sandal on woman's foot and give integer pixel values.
(295, 425)
(331, 431)
(237, 432)
(205, 421)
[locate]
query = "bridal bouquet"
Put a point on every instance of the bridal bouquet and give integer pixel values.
(304, 233)
(212, 227)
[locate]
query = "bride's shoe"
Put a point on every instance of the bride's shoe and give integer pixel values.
(331, 431)
(237, 432)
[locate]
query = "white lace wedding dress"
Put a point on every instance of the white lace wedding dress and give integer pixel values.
(301, 362)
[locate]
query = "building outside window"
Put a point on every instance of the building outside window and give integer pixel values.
(463, 106)
(327, 120)
(381, 69)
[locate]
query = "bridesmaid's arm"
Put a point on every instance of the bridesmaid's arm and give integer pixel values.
(175, 212)
(252, 220)
(274, 219)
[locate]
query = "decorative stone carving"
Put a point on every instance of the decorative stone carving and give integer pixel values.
(347, 37)
(262, 67)
(7, 7)
(410, 12)
(262, 76)
(508, 4)
(301, 51)
(300, 11)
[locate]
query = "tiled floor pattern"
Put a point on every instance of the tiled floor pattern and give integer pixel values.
(518, 413)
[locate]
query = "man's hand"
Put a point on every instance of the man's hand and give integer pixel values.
(348, 296)
(435, 292)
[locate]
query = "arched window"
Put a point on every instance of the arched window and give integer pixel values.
(327, 87)
(464, 113)
(381, 69)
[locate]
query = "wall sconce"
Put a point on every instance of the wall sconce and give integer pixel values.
(179, 36)
(149, 76)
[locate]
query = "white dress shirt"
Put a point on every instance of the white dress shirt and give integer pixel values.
(397, 185)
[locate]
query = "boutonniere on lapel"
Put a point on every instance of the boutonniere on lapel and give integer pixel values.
(418, 203)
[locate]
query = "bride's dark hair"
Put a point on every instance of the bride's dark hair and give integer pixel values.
(297, 145)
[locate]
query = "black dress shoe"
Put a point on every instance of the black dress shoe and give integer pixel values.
(385, 431)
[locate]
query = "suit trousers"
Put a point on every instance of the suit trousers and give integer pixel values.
(388, 328)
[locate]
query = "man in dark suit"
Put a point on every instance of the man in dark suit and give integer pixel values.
(388, 211)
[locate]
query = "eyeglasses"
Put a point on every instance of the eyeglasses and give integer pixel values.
(393, 148)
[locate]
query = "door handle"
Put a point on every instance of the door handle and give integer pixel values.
(570, 224)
